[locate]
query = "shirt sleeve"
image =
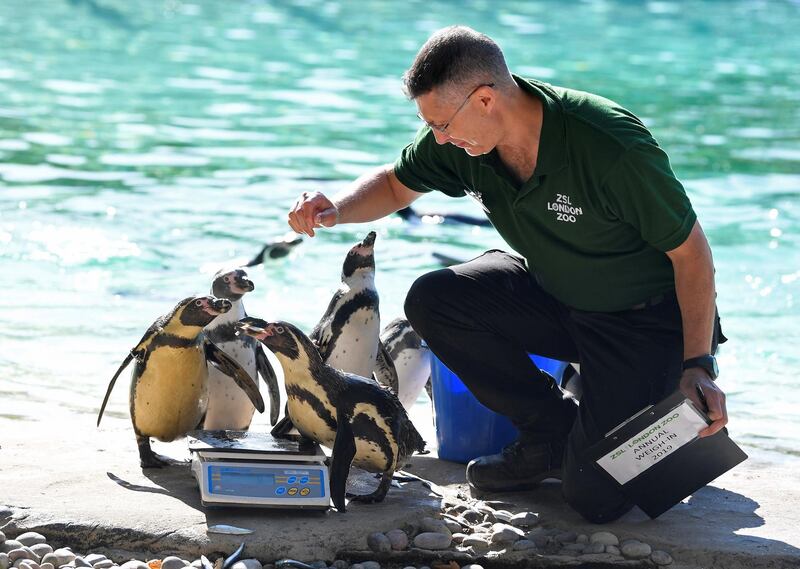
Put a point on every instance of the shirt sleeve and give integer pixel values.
(425, 166)
(644, 192)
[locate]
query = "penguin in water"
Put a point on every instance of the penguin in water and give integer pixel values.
(276, 249)
(348, 333)
(362, 422)
(410, 215)
(168, 393)
(411, 359)
(228, 406)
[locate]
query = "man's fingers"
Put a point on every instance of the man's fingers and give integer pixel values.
(717, 412)
(326, 217)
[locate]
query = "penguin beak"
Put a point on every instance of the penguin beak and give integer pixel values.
(369, 240)
(254, 327)
(242, 285)
(218, 306)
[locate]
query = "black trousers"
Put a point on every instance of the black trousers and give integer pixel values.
(481, 317)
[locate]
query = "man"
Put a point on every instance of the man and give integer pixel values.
(616, 272)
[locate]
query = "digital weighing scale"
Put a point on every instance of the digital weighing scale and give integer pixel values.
(251, 469)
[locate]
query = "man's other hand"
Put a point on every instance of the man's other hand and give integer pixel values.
(695, 383)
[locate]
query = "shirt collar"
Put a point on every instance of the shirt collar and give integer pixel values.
(552, 155)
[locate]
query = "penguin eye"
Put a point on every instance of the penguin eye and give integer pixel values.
(198, 302)
(280, 329)
(227, 279)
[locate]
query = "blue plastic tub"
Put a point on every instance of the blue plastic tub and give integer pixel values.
(465, 429)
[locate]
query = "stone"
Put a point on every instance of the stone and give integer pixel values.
(604, 537)
(371, 565)
(340, 564)
(46, 566)
(599, 558)
(319, 564)
(613, 550)
(524, 519)
(472, 566)
(635, 549)
(433, 540)
(660, 557)
(23, 553)
(248, 564)
(398, 539)
(379, 543)
(134, 564)
(574, 547)
(63, 556)
(582, 538)
(504, 533)
(478, 541)
(31, 538)
(453, 525)
(41, 549)
(594, 548)
(356, 566)
(94, 557)
(472, 516)
(4, 562)
(5, 513)
(9, 545)
(566, 537)
(458, 537)
(503, 516)
(2, 537)
(81, 562)
(173, 562)
(435, 526)
(524, 545)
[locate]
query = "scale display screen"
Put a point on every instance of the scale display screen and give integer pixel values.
(265, 481)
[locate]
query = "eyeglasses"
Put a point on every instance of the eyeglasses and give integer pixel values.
(443, 129)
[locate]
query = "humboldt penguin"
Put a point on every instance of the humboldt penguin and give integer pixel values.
(228, 406)
(410, 215)
(170, 377)
(276, 249)
(411, 359)
(361, 421)
(347, 335)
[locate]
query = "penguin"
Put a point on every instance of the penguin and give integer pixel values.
(410, 215)
(347, 334)
(411, 359)
(170, 377)
(361, 421)
(276, 249)
(228, 406)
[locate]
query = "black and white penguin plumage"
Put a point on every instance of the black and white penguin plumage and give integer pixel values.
(228, 406)
(410, 215)
(168, 392)
(276, 249)
(362, 422)
(347, 335)
(411, 358)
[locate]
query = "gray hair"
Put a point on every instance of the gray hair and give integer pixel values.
(456, 58)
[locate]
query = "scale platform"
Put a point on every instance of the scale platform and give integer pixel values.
(252, 469)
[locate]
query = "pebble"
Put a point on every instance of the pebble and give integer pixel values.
(472, 566)
(46, 566)
(356, 566)
(398, 539)
(2, 537)
(660, 557)
(503, 515)
(635, 549)
(524, 545)
(524, 519)
(81, 562)
(64, 556)
(433, 540)
(5, 513)
(594, 548)
(604, 537)
(95, 557)
(458, 537)
(566, 537)
(472, 516)
(453, 525)
(41, 549)
(504, 533)
(574, 547)
(173, 562)
(582, 538)
(379, 543)
(435, 526)
(4, 563)
(340, 564)
(31, 538)
(22, 553)
(613, 550)
(539, 537)
(319, 564)
(477, 540)
(9, 545)
(371, 565)
(134, 564)
(248, 564)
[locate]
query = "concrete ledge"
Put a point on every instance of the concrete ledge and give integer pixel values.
(82, 487)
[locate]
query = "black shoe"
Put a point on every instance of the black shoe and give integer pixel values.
(518, 467)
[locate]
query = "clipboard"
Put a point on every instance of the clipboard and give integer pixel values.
(657, 458)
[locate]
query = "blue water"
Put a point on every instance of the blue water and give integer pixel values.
(144, 144)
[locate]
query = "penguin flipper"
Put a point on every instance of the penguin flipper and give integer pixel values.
(229, 367)
(111, 383)
(264, 368)
(385, 371)
(344, 449)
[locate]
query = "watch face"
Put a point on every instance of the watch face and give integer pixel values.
(714, 368)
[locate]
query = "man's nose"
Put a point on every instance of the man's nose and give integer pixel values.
(440, 137)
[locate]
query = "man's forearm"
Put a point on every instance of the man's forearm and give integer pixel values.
(372, 196)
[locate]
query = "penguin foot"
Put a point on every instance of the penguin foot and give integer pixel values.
(153, 461)
(378, 495)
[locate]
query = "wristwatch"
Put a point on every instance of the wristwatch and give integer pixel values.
(707, 362)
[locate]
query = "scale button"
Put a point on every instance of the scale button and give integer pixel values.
(305, 491)
(280, 490)
(292, 491)
(292, 480)
(304, 480)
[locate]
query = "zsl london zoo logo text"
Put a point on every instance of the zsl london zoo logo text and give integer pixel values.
(564, 209)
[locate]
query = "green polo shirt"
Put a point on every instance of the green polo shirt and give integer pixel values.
(599, 212)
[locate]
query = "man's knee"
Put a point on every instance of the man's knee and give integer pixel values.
(423, 295)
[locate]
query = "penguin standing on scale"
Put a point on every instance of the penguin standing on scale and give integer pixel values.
(228, 405)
